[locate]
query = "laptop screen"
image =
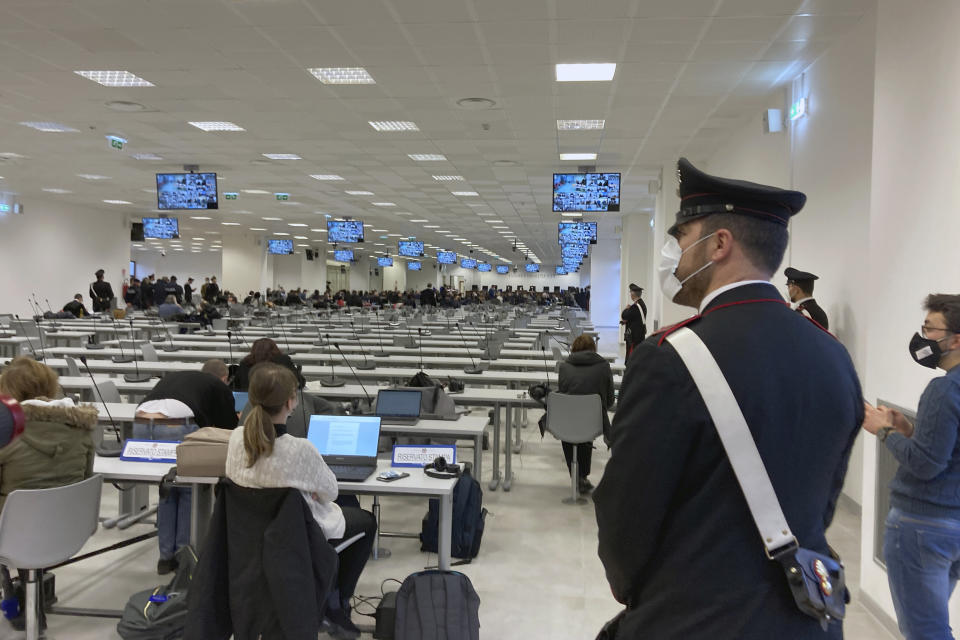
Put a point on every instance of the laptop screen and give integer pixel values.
(239, 400)
(394, 402)
(345, 435)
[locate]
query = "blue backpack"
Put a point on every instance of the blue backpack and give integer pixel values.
(468, 520)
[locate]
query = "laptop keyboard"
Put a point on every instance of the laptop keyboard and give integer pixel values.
(351, 472)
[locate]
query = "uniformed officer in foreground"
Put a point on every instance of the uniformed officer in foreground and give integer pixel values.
(676, 538)
(800, 288)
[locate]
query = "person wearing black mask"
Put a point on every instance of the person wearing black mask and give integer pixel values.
(922, 543)
(101, 293)
(634, 319)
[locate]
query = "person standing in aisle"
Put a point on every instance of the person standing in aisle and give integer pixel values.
(101, 293)
(800, 288)
(634, 319)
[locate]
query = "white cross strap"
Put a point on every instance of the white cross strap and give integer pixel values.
(737, 440)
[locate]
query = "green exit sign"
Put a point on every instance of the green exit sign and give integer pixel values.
(116, 143)
(230, 196)
(282, 196)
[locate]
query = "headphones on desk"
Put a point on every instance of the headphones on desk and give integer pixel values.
(441, 469)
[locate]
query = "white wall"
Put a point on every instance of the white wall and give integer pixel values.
(53, 250)
(245, 264)
(914, 226)
(605, 285)
(636, 260)
(183, 264)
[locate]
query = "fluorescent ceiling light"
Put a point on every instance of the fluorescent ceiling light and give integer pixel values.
(318, 230)
(280, 233)
(281, 156)
(325, 176)
(394, 125)
(199, 218)
(92, 176)
(384, 204)
(493, 221)
(146, 156)
(303, 245)
(360, 193)
(496, 227)
(465, 193)
(271, 218)
(301, 237)
(395, 235)
(296, 224)
(342, 75)
(53, 190)
(427, 157)
(10, 155)
(230, 224)
(593, 72)
(431, 226)
(570, 214)
(257, 229)
(448, 178)
(117, 202)
(578, 156)
(420, 220)
(379, 230)
(579, 125)
(50, 127)
(114, 78)
(256, 192)
(216, 125)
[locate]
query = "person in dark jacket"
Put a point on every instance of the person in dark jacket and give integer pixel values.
(586, 372)
(800, 288)
(634, 319)
(922, 543)
(263, 350)
(101, 293)
(212, 291)
(146, 292)
(428, 297)
(677, 540)
(204, 392)
(188, 292)
(76, 307)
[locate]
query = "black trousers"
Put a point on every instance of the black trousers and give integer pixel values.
(584, 454)
(354, 558)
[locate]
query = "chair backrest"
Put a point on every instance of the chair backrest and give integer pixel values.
(574, 418)
(73, 369)
(148, 352)
(109, 392)
(43, 527)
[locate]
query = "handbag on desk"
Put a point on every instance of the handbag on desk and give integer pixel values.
(203, 453)
(816, 580)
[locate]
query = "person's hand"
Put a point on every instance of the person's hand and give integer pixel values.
(899, 422)
(875, 418)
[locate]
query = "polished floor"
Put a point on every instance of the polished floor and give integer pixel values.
(537, 575)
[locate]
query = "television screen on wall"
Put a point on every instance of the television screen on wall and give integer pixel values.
(468, 263)
(280, 247)
(186, 191)
(162, 228)
(343, 255)
(446, 257)
(414, 266)
(503, 268)
(577, 232)
(532, 267)
(344, 231)
(384, 261)
(587, 192)
(410, 248)
(484, 266)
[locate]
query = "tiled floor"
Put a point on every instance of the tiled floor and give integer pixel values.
(537, 575)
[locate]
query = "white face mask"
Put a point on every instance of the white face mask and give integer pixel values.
(670, 256)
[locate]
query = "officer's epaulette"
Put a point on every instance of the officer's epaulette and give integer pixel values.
(663, 333)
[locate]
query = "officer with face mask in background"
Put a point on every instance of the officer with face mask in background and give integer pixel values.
(922, 544)
(677, 540)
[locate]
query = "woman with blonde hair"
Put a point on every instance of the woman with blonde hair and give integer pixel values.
(261, 454)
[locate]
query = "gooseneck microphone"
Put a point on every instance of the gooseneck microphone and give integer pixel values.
(420, 344)
(54, 327)
(333, 380)
(473, 369)
(381, 353)
(170, 347)
(136, 365)
(116, 429)
(123, 356)
(43, 351)
(283, 332)
(356, 377)
(546, 368)
(367, 364)
(230, 344)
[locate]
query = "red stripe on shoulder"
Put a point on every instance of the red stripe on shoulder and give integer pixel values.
(666, 332)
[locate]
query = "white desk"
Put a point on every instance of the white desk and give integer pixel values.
(417, 484)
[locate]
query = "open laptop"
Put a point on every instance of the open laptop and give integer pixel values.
(348, 444)
(399, 406)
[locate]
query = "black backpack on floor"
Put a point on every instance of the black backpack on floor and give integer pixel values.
(160, 613)
(469, 517)
(437, 605)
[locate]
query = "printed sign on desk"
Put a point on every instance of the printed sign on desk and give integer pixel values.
(412, 455)
(150, 451)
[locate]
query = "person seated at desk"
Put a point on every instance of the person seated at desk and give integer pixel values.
(56, 447)
(586, 372)
(76, 307)
(204, 397)
(170, 309)
(262, 455)
(264, 350)
(207, 313)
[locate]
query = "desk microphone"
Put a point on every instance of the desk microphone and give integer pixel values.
(381, 353)
(116, 429)
(243, 338)
(54, 327)
(136, 365)
(420, 343)
(546, 368)
(356, 377)
(230, 344)
(366, 365)
(411, 343)
(283, 332)
(473, 369)
(170, 347)
(34, 309)
(333, 380)
(116, 332)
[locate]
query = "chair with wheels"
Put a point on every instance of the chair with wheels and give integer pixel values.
(576, 419)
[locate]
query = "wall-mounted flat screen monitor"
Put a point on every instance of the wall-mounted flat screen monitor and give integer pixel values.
(484, 266)
(587, 192)
(163, 228)
(503, 268)
(446, 257)
(344, 230)
(574, 251)
(343, 255)
(414, 266)
(468, 263)
(280, 247)
(384, 262)
(532, 267)
(577, 232)
(410, 248)
(186, 191)
(561, 271)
